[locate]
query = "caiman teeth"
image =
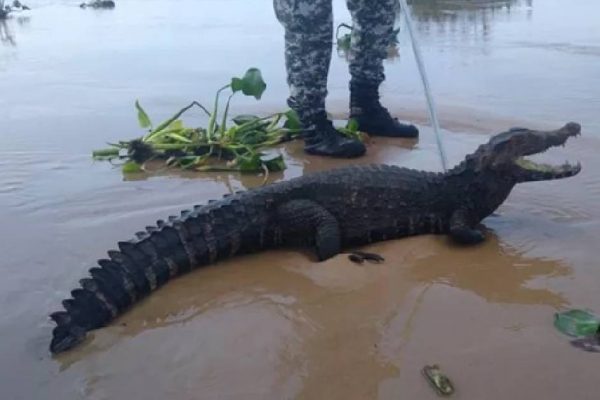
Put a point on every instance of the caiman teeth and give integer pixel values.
(543, 167)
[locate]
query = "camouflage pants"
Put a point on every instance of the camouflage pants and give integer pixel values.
(309, 43)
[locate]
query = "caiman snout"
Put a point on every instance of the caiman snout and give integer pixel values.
(556, 138)
(572, 129)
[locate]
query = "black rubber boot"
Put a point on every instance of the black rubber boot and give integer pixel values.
(321, 138)
(372, 117)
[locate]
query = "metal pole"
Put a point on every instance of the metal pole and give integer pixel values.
(432, 114)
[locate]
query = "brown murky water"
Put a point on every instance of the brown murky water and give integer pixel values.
(278, 325)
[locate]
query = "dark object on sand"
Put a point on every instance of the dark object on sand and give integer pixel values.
(329, 211)
(440, 382)
(106, 4)
(591, 344)
(356, 258)
(360, 257)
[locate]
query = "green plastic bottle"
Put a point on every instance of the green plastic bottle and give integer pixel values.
(577, 323)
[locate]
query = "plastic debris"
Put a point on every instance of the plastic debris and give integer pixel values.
(581, 324)
(577, 323)
(440, 382)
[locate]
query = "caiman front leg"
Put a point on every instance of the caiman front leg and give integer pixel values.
(298, 219)
(461, 229)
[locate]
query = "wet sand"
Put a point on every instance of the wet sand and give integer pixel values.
(279, 325)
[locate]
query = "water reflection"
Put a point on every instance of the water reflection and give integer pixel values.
(497, 273)
(441, 10)
(6, 35)
(293, 286)
(464, 18)
(231, 180)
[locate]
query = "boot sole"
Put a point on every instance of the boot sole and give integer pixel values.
(336, 155)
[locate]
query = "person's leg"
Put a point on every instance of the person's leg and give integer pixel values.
(372, 35)
(308, 28)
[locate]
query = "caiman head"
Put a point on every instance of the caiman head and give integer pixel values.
(505, 155)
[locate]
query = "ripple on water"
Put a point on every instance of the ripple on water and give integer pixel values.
(14, 171)
(592, 183)
(565, 47)
(27, 177)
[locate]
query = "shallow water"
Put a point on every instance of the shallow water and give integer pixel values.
(277, 325)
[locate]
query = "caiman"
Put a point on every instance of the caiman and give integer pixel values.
(329, 211)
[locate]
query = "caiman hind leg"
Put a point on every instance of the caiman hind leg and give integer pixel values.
(306, 221)
(462, 230)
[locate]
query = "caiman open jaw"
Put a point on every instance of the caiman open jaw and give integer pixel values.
(513, 146)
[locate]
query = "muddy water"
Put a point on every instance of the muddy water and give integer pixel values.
(278, 325)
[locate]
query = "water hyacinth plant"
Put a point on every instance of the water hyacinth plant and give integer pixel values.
(238, 144)
(216, 147)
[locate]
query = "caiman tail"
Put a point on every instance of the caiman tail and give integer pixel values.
(171, 248)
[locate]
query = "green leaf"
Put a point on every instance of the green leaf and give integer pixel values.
(292, 120)
(168, 122)
(143, 118)
(176, 125)
(111, 152)
(258, 124)
(274, 122)
(178, 138)
(225, 114)
(187, 162)
(212, 121)
(252, 137)
(243, 118)
(252, 84)
(254, 162)
(237, 84)
(352, 125)
(345, 42)
(131, 167)
(273, 163)
(250, 163)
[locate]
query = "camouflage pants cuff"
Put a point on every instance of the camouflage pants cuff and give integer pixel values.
(308, 110)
